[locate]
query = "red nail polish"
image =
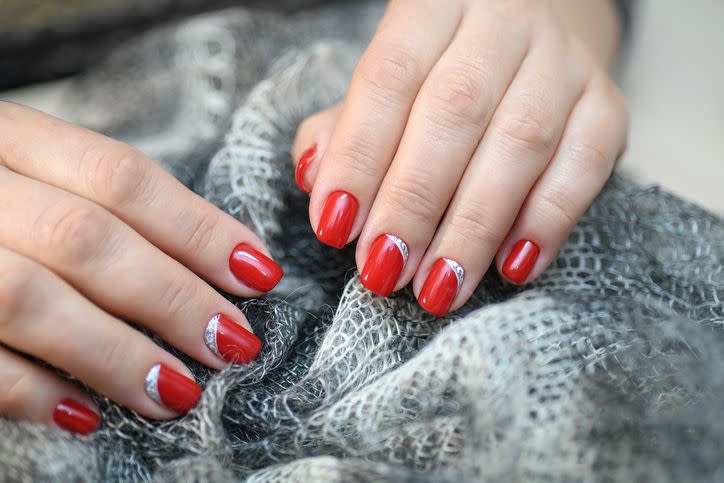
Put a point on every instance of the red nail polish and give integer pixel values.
(384, 265)
(304, 162)
(171, 389)
(231, 341)
(521, 260)
(254, 269)
(441, 286)
(335, 223)
(76, 418)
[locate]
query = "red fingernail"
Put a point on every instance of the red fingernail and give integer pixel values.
(521, 260)
(76, 418)
(231, 341)
(441, 286)
(254, 269)
(302, 166)
(384, 265)
(171, 389)
(335, 223)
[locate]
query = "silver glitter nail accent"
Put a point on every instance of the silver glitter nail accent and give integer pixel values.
(458, 269)
(152, 383)
(210, 335)
(402, 246)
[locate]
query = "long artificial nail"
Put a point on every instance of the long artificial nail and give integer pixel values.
(230, 341)
(171, 389)
(304, 162)
(337, 219)
(75, 417)
(384, 265)
(521, 260)
(254, 269)
(441, 286)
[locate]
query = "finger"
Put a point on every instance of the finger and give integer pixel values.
(517, 146)
(446, 124)
(120, 271)
(310, 145)
(29, 392)
(44, 317)
(138, 191)
(375, 112)
(593, 140)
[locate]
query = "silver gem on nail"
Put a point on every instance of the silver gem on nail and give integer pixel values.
(401, 245)
(152, 383)
(210, 334)
(458, 269)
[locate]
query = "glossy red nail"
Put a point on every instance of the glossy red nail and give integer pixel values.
(254, 269)
(384, 265)
(441, 286)
(76, 418)
(304, 162)
(171, 389)
(231, 341)
(335, 223)
(521, 260)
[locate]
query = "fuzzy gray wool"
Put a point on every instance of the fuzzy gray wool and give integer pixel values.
(609, 367)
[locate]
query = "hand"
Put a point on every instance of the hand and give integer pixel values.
(472, 131)
(94, 233)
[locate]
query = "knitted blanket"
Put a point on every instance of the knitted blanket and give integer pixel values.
(609, 367)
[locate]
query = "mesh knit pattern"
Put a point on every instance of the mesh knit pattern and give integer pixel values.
(608, 367)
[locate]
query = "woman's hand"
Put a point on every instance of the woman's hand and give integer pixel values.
(93, 233)
(473, 130)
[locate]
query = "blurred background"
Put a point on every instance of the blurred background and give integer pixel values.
(673, 76)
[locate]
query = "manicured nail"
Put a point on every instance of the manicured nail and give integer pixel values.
(441, 286)
(171, 389)
(521, 260)
(230, 341)
(304, 162)
(384, 265)
(76, 418)
(335, 223)
(254, 269)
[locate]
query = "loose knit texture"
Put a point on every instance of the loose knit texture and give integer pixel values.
(608, 367)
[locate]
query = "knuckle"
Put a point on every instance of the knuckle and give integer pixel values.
(74, 233)
(178, 296)
(556, 205)
(528, 132)
(592, 154)
(201, 232)
(114, 357)
(118, 177)
(460, 94)
(18, 391)
(474, 223)
(17, 279)
(356, 158)
(416, 199)
(391, 71)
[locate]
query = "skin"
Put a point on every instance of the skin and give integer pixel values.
(470, 125)
(94, 233)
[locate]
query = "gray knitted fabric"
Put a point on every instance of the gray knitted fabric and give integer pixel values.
(608, 367)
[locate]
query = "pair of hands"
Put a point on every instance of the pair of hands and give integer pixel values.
(472, 130)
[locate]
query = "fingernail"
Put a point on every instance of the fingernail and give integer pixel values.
(230, 341)
(171, 389)
(304, 162)
(254, 269)
(384, 265)
(335, 223)
(441, 286)
(521, 260)
(76, 418)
